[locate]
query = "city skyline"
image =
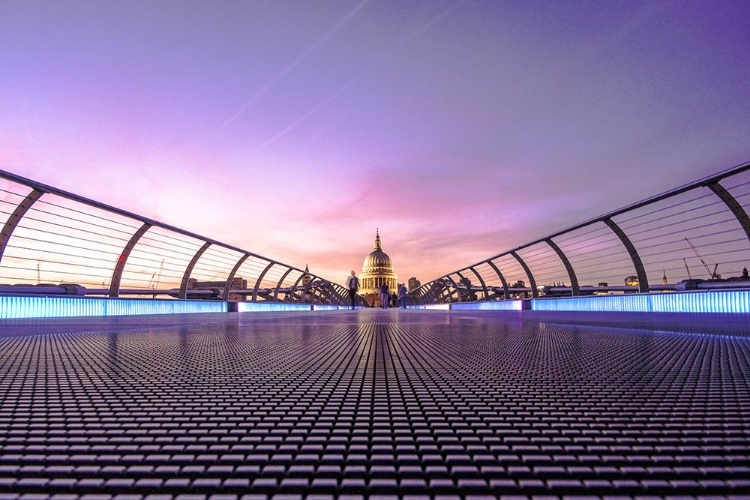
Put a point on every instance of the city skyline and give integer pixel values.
(293, 129)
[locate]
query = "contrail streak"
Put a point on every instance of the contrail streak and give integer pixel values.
(312, 48)
(396, 46)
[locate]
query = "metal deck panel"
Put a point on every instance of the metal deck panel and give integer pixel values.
(378, 404)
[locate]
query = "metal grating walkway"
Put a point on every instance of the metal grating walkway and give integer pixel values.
(378, 404)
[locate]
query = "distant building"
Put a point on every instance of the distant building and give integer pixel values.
(304, 285)
(376, 270)
(515, 294)
(218, 287)
(306, 278)
(413, 284)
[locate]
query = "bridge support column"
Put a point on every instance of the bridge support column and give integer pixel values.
(640, 271)
(568, 267)
(733, 205)
(532, 283)
(15, 218)
(114, 284)
(506, 292)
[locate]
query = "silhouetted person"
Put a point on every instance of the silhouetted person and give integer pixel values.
(353, 284)
(385, 295)
(744, 273)
(402, 296)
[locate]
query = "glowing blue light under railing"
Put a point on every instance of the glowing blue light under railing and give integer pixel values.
(726, 301)
(271, 307)
(498, 305)
(59, 307)
(330, 307)
(438, 307)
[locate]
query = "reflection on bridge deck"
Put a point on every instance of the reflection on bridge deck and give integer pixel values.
(372, 402)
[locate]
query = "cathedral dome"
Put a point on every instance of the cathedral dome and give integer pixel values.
(377, 270)
(377, 260)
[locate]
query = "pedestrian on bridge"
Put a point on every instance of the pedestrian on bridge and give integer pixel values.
(402, 296)
(385, 296)
(353, 284)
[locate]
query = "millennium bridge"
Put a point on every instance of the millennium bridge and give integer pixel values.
(608, 360)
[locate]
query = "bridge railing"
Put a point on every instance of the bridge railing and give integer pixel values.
(56, 242)
(692, 237)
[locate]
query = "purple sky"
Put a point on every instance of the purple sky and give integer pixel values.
(295, 128)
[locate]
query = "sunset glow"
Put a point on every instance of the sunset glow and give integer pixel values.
(295, 129)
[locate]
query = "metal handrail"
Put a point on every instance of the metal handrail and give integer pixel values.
(65, 248)
(633, 237)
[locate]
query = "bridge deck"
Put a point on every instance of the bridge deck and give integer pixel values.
(373, 403)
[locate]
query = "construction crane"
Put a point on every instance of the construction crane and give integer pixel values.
(711, 275)
(158, 278)
(151, 284)
(687, 268)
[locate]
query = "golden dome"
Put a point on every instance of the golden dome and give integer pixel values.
(378, 259)
(377, 270)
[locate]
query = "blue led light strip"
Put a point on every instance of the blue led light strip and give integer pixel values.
(59, 307)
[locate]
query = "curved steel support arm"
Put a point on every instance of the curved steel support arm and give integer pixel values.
(322, 293)
(114, 284)
(568, 267)
(502, 279)
(15, 218)
(189, 269)
(443, 296)
(436, 290)
(294, 290)
(456, 288)
(447, 296)
(733, 205)
(335, 298)
(640, 271)
(341, 293)
(278, 285)
(311, 294)
(532, 283)
(417, 295)
(484, 286)
(462, 278)
(260, 278)
(234, 271)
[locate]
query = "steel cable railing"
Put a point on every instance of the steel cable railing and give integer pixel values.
(696, 233)
(53, 241)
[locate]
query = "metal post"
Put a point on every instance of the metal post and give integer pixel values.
(568, 267)
(15, 218)
(532, 283)
(640, 271)
(114, 284)
(283, 277)
(189, 269)
(733, 205)
(260, 278)
(502, 279)
(235, 269)
(484, 286)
